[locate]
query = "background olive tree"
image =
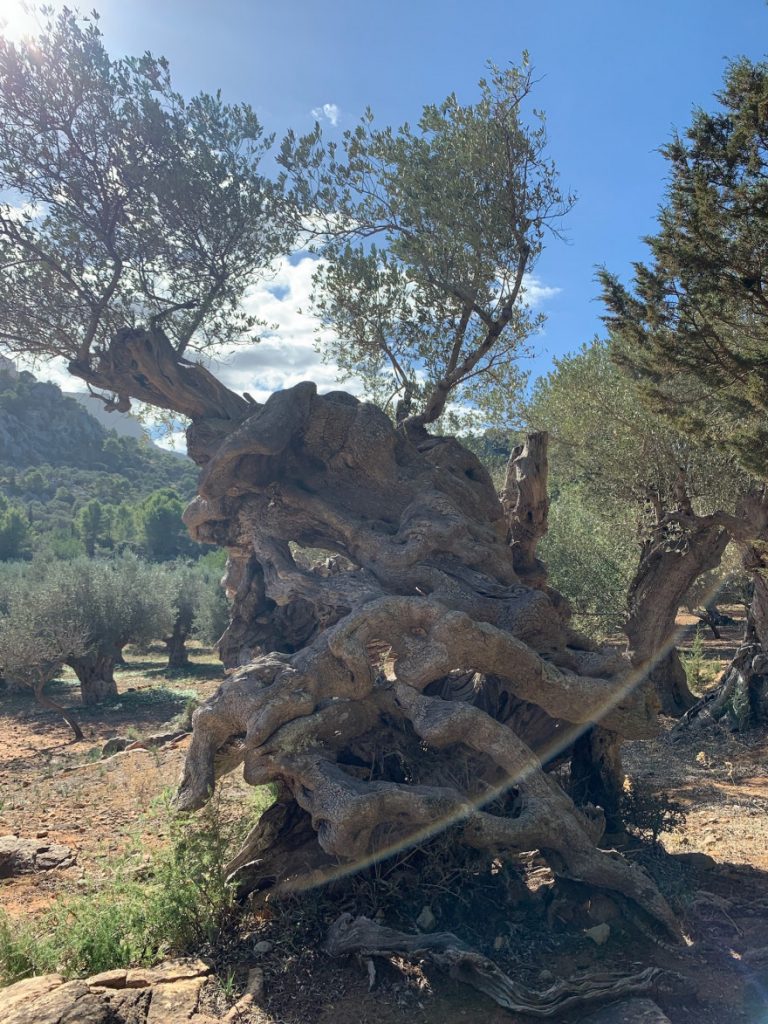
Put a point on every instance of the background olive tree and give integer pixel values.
(653, 497)
(36, 641)
(693, 328)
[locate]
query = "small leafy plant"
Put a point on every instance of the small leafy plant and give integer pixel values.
(700, 671)
(182, 902)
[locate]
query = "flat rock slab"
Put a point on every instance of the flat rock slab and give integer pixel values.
(628, 1011)
(168, 994)
(27, 991)
(27, 856)
(175, 1002)
(68, 1003)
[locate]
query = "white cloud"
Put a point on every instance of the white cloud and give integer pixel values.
(330, 111)
(53, 370)
(536, 293)
(286, 355)
(176, 441)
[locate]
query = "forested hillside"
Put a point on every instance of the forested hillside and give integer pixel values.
(61, 470)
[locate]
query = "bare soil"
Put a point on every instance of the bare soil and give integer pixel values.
(105, 809)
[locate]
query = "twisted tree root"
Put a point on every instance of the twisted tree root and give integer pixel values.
(429, 598)
(450, 954)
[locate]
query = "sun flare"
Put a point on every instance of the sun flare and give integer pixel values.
(18, 20)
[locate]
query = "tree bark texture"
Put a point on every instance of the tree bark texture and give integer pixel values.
(741, 698)
(96, 675)
(525, 499)
(369, 938)
(680, 548)
(401, 687)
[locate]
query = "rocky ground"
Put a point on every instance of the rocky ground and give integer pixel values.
(55, 794)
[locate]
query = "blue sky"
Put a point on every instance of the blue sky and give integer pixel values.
(616, 77)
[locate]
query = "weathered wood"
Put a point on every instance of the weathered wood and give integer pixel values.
(678, 549)
(447, 952)
(424, 593)
(597, 775)
(436, 576)
(143, 365)
(741, 697)
(525, 498)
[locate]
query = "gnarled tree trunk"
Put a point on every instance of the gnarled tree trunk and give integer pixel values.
(96, 674)
(176, 648)
(597, 776)
(525, 499)
(176, 643)
(422, 638)
(741, 698)
(679, 549)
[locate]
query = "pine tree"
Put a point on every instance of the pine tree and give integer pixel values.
(694, 330)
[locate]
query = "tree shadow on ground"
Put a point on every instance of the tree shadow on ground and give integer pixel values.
(192, 671)
(142, 710)
(150, 696)
(722, 976)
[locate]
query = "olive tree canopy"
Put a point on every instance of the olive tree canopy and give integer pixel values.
(429, 235)
(125, 204)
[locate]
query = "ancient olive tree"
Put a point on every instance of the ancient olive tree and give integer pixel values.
(35, 640)
(421, 634)
(672, 499)
(693, 330)
(111, 602)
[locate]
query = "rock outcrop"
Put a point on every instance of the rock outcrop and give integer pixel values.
(27, 856)
(169, 994)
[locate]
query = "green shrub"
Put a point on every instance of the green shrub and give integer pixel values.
(22, 952)
(700, 671)
(183, 904)
(194, 903)
(183, 721)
